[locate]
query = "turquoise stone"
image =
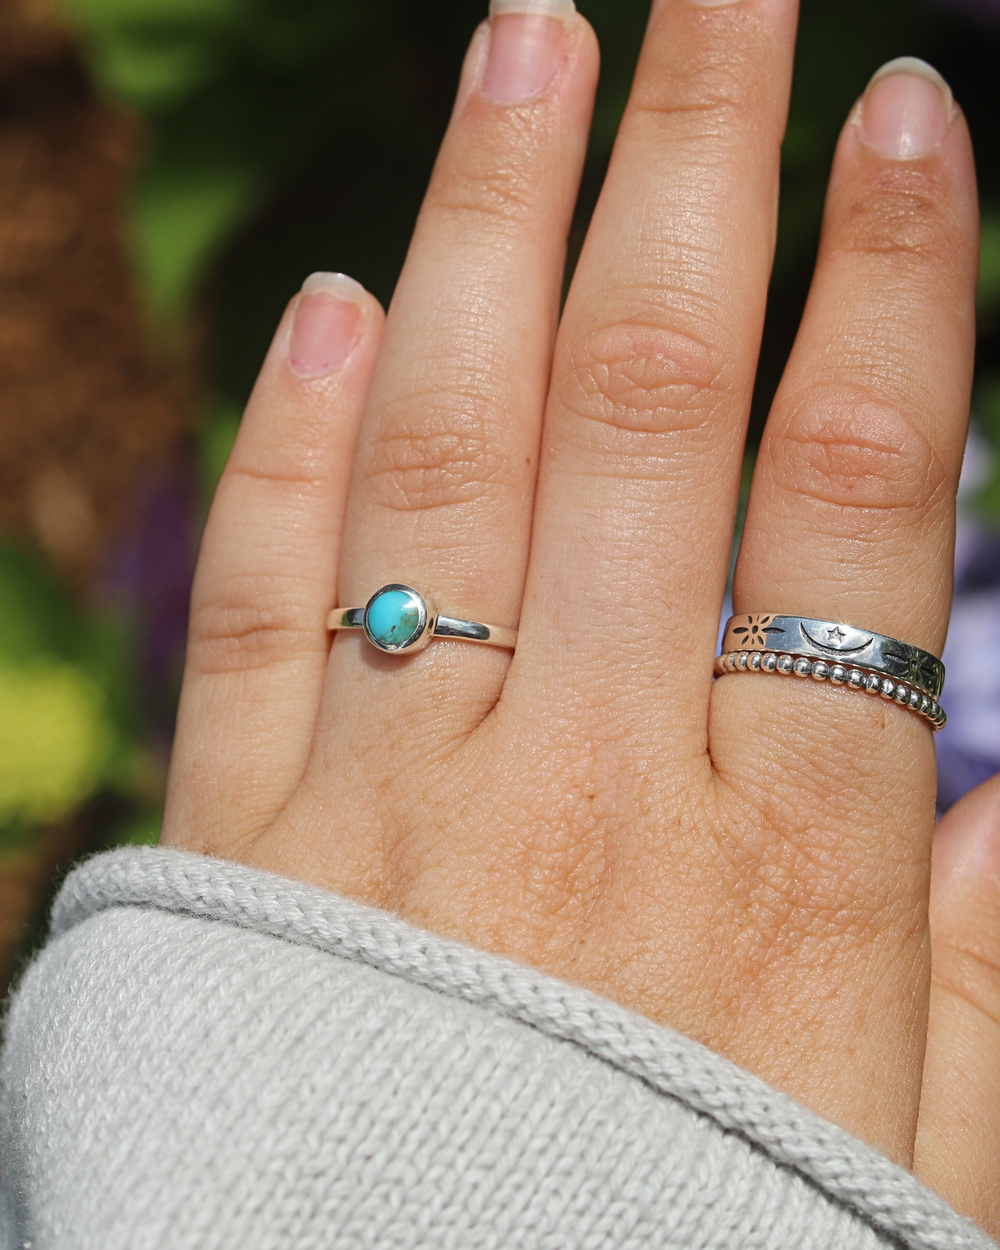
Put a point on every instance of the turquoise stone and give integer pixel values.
(393, 618)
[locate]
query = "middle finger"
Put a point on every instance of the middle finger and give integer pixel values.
(654, 371)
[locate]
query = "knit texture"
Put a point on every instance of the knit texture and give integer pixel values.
(210, 1056)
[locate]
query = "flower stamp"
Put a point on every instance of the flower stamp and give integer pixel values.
(753, 636)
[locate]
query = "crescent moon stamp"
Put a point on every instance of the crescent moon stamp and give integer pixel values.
(838, 639)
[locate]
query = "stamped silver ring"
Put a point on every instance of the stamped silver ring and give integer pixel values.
(854, 658)
(397, 619)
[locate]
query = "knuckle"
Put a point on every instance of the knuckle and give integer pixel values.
(712, 97)
(629, 384)
(965, 942)
(970, 971)
(899, 215)
(851, 451)
(232, 634)
(418, 464)
(302, 478)
(488, 191)
(704, 121)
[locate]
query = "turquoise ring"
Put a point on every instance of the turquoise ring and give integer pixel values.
(399, 620)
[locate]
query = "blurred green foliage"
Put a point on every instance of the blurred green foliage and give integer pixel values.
(236, 94)
(53, 740)
(285, 136)
(988, 301)
(67, 728)
(292, 135)
(986, 402)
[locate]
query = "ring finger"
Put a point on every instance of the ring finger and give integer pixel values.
(851, 520)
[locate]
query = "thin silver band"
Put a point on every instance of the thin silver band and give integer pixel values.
(836, 643)
(444, 627)
(399, 620)
(848, 676)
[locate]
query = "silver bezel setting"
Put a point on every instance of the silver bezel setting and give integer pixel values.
(420, 637)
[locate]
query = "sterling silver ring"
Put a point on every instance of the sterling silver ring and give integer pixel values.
(857, 659)
(398, 619)
(843, 644)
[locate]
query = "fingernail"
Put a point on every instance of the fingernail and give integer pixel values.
(327, 323)
(526, 47)
(906, 110)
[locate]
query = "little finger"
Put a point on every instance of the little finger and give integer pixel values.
(958, 1132)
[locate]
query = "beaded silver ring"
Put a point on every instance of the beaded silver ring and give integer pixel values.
(838, 675)
(857, 659)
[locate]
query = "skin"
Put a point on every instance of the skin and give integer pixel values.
(749, 860)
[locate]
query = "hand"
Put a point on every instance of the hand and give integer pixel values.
(747, 861)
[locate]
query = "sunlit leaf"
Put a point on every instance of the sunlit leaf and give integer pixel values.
(180, 220)
(152, 72)
(55, 738)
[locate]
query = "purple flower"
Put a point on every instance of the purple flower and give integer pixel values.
(147, 578)
(968, 748)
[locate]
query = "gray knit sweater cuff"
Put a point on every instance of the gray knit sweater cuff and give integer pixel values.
(208, 1056)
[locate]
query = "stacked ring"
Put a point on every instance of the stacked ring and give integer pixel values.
(830, 651)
